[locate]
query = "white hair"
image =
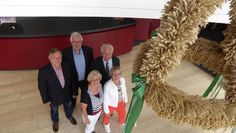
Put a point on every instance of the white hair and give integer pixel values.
(75, 34)
(94, 73)
(105, 46)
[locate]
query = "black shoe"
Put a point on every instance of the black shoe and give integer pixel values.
(73, 121)
(55, 126)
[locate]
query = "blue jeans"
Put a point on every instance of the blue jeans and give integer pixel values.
(67, 110)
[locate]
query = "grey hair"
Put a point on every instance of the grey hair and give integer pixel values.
(107, 45)
(94, 73)
(75, 34)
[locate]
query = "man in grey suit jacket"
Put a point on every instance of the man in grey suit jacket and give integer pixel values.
(105, 62)
(56, 86)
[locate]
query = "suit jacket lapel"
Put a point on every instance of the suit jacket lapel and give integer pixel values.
(85, 57)
(64, 74)
(72, 56)
(54, 76)
(102, 64)
(113, 61)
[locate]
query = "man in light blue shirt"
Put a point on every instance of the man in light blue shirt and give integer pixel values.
(80, 58)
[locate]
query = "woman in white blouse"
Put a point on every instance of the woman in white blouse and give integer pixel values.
(115, 98)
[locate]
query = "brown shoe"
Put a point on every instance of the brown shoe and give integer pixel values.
(55, 126)
(73, 121)
(93, 132)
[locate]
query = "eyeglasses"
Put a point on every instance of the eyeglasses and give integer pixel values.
(116, 74)
(77, 41)
(95, 79)
(56, 58)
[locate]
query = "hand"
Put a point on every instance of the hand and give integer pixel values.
(48, 103)
(86, 121)
(126, 105)
(108, 115)
(74, 96)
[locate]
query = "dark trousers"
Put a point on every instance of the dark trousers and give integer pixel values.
(82, 85)
(73, 101)
(67, 110)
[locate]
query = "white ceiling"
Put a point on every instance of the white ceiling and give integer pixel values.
(95, 8)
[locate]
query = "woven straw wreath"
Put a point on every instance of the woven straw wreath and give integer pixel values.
(176, 40)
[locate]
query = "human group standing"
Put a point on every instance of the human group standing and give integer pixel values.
(73, 70)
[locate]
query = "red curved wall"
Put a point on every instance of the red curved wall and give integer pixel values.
(31, 53)
(144, 28)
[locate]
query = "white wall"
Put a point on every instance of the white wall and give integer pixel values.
(91, 8)
(221, 14)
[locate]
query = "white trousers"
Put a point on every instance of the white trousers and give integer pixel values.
(93, 120)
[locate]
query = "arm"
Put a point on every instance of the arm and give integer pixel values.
(91, 53)
(118, 61)
(106, 99)
(125, 92)
(84, 113)
(89, 57)
(92, 66)
(42, 86)
(72, 83)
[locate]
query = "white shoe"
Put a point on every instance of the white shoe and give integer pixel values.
(107, 128)
(233, 130)
(135, 125)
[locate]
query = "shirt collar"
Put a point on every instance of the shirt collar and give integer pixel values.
(109, 61)
(80, 51)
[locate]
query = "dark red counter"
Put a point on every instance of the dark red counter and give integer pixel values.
(144, 28)
(22, 52)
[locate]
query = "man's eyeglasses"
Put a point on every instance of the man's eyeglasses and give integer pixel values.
(77, 41)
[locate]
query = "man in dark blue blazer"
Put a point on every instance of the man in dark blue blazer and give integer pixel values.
(80, 58)
(105, 62)
(56, 86)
